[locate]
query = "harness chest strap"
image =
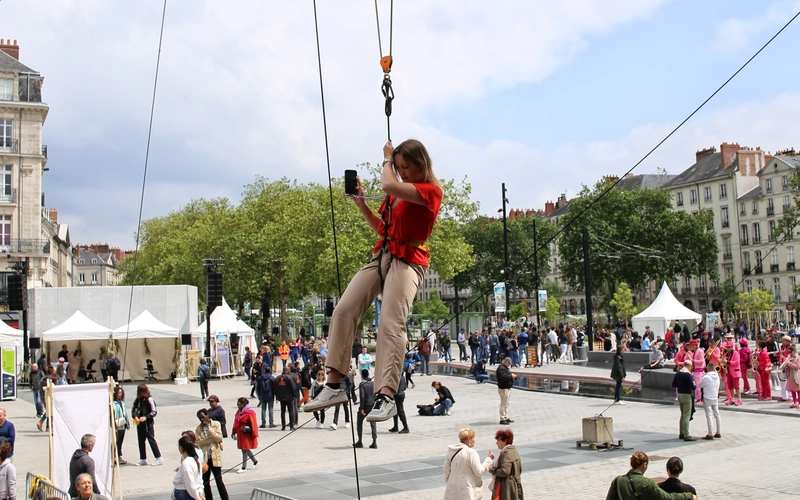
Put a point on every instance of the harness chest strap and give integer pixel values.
(421, 244)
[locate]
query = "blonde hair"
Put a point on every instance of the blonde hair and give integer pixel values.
(414, 152)
(465, 434)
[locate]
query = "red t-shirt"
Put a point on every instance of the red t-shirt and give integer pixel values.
(411, 221)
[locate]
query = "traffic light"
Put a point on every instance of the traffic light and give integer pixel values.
(213, 289)
(17, 292)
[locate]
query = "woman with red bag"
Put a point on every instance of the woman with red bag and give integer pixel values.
(245, 432)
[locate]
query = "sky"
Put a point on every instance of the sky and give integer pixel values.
(543, 96)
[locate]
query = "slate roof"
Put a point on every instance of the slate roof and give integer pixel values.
(645, 181)
(753, 193)
(792, 161)
(709, 167)
(8, 63)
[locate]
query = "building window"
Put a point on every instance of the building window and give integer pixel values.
(773, 257)
(760, 284)
(94, 278)
(81, 261)
(7, 135)
(746, 260)
(724, 215)
(723, 191)
(769, 185)
(679, 199)
(759, 266)
(728, 272)
(5, 232)
(789, 254)
(82, 278)
(748, 284)
(772, 227)
(726, 249)
(785, 182)
(776, 289)
(5, 184)
(755, 206)
(707, 193)
(770, 207)
(787, 202)
(742, 209)
(94, 261)
(693, 197)
(6, 89)
(756, 232)
(745, 237)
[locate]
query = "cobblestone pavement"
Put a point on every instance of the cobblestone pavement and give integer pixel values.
(748, 462)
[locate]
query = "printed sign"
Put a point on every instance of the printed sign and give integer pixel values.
(500, 297)
(542, 300)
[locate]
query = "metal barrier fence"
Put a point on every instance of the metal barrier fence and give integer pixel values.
(259, 494)
(39, 488)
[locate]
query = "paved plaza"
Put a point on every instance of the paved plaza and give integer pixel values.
(752, 460)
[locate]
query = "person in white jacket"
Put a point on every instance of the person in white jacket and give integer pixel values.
(709, 385)
(463, 469)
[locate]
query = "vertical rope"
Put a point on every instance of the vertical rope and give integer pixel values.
(333, 226)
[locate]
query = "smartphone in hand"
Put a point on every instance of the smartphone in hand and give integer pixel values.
(350, 182)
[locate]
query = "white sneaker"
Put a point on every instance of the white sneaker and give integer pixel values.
(241, 471)
(253, 467)
(142, 462)
(384, 409)
(159, 461)
(620, 403)
(347, 425)
(333, 427)
(448, 413)
(327, 398)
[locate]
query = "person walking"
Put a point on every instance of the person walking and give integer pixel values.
(505, 381)
(247, 363)
(37, 381)
(286, 393)
(461, 340)
(400, 258)
(366, 396)
(254, 372)
(184, 483)
(217, 414)
(203, 375)
(634, 486)
(399, 399)
(424, 349)
(408, 369)
(82, 463)
(8, 474)
(494, 344)
(144, 413)
(474, 347)
(709, 388)
(618, 373)
(113, 366)
(506, 469)
(266, 386)
(463, 468)
(316, 388)
(683, 381)
(209, 440)
(283, 352)
(121, 421)
(245, 432)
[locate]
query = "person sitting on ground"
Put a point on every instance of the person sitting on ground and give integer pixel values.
(634, 486)
(673, 484)
(444, 401)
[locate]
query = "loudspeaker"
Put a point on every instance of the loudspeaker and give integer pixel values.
(186, 339)
(214, 289)
(35, 343)
(329, 308)
(17, 292)
(324, 330)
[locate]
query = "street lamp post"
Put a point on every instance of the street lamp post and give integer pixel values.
(507, 270)
(536, 273)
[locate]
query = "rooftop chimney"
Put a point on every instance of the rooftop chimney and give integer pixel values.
(54, 215)
(729, 152)
(704, 152)
(9, 48)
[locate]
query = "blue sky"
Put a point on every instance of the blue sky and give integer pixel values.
(544, 96)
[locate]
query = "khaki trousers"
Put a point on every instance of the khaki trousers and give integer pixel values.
(401, 281)
(505, 401)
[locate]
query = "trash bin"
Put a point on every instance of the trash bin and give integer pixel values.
(583, 351)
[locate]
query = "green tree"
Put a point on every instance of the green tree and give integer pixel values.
(634, 237)
(518, 310)
(553, 310)
(728, 296)
(754, 304)
(623, 302)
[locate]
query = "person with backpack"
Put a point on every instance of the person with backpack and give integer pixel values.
(265, 388)
(203, 374)
(474, 347)
(144, 413)
(408, 369)
(424, 348)
(446, 352)
(366, 396)
(113, 366)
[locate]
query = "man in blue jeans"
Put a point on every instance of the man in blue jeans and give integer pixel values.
(424, 349)
(494, 342)
(444, 401)
(37, 378)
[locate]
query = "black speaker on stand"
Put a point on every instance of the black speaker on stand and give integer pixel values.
(35, 343)
(186, 339)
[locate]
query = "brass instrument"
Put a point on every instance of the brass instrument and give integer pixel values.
(783, 365)
(754, 361)
(711, 348)
(722, 367)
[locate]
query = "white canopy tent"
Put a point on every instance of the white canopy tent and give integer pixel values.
(146, 333)
(76, 327)
(10, 336)
(75, 330)
(224, 321)
(664, 309)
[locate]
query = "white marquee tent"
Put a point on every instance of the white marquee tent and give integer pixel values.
(146, 333)
(9, 335)
(664, 309)
(224, 320)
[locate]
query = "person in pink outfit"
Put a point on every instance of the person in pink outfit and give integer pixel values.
(733, 372)
(698, 358)
(793, 375)
(744, 364)
(764, 369)
(679, 357)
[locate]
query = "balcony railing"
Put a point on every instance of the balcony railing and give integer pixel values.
(790, 266)
(25, 246)
(686, 291)
(786, 208)
(746, 271)
(745, 241)
(9, 145)
(774, 268)
(700, 290)
(8, 197)
(759, 270)
(727, 255)
(770, 210)
(713, 290)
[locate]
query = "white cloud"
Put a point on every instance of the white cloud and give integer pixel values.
(736, 34)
